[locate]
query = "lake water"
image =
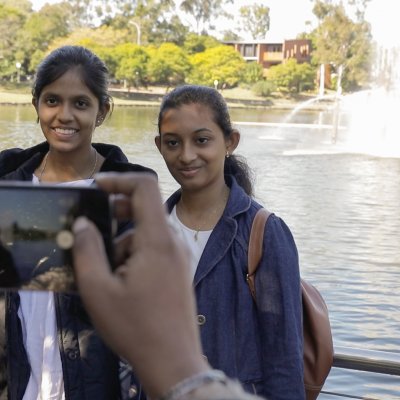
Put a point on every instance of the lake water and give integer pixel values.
(340, 201)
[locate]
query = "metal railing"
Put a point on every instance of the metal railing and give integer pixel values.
(379, 362)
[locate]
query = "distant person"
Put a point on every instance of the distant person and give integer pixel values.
(261, 345)
(145, 309)
(53, 352)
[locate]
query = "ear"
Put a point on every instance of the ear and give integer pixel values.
(34, 103)
(233, 141)
(157, 141)
(102, 114)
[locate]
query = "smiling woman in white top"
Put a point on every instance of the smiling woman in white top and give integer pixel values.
(53, 351)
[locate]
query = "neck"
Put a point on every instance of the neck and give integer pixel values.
(201, 211)
(65, 167)
(195, 202)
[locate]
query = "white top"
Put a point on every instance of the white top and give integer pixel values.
(196, 247)
(39, 330)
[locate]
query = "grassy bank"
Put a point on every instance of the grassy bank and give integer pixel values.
(151, 96)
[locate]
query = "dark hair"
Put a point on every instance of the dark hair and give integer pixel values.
(211, 98)
(58, 62)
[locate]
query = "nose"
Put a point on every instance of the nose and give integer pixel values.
(65, 113)
(187, 154)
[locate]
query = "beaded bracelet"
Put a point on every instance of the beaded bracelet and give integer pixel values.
(193, 382)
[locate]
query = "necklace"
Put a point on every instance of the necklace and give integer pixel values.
(45, 164)
(207, 216)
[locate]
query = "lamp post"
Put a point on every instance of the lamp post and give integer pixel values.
(18, 66)
(137, 26)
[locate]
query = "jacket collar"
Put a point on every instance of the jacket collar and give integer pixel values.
(238, 201)
(224, 232)
(29, 159)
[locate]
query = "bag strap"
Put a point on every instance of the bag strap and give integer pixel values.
(256, 247)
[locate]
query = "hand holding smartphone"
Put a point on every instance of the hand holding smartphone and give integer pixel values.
(36, 233)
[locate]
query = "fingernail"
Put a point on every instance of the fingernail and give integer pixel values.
(80, 225)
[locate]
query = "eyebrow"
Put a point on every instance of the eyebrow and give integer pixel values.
(78, 96)
(195, 131)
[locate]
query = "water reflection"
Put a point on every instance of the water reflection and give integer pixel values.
(342, 208)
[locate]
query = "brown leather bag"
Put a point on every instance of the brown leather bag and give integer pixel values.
(318, 346)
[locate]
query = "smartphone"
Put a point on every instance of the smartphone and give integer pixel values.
(36, 236)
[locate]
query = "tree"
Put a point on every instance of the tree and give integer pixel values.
(252, 73)
(230, 36)
(255, 19)
(131, 61)
(91, 13)
(292, 76)
(168, 64)
(203, 11)
(39, 30)
(198, 43)
(154, 19)
(222, 63)
(11, 22)
(101, 41)
(23, 6)
(343, 43)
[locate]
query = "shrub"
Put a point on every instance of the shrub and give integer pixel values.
(263, 88)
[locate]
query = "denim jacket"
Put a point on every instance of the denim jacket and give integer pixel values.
(261, 345)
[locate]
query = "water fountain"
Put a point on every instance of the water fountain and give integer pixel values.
(364, 122)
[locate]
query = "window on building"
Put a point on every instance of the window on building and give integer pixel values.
(249, 50)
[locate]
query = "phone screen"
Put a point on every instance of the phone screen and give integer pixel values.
(36, 233)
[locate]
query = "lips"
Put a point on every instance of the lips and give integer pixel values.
(65, 132)
(189, 172)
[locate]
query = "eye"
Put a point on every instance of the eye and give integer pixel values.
(171, 143)
(51, 101)
(203, 140)
(82, 103)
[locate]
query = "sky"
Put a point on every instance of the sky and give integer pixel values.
(288, 18)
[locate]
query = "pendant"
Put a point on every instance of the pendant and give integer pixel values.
(196, 236)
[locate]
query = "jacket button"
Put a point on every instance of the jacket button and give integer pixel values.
(132, 391)
(201, 319)
(72, 354)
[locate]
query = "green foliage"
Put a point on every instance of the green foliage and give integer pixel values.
(222, 63)
(169, 31)
(292, 76)
(23, 6)
(340, 41)
(263, 88)
(252, 73)
(230, 36)
(131, 61)
(255, 19)
(11, 22)
(198, 43)
(168, 64)
(203, 11)
(40, 29)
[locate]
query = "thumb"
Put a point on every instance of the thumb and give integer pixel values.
(92, 269)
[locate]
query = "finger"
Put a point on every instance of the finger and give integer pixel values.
(123, 247)
(102, 292)
(143, 190)
(121, 205)
(92, 270)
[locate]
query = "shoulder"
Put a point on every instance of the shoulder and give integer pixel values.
(12, 159)
(277, 237)
(110, 165)
(172, 200)
(116, 161)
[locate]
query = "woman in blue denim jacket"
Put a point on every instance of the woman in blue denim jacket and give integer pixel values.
(261, 345)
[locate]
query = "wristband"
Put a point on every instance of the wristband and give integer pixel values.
(192, 383)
